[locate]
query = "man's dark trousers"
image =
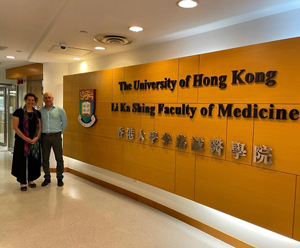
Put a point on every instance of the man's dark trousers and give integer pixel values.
(54, 141)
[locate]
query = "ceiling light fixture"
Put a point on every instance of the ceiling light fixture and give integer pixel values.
(10, 57)
(100, 48)
(135, 29)
(187, 4)
(77, 58)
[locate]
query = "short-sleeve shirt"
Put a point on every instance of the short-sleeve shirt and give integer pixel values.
(31, 122)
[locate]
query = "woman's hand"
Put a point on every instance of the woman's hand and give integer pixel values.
(34, 140)
(28, 140)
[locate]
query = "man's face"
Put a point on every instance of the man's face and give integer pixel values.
(48, 99)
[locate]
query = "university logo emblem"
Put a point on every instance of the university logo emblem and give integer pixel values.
(87, 107)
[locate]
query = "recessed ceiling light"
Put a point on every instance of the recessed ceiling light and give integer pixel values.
(187, 3)
(77, 58)
(10, 57)
(135, 29)
(100, 48)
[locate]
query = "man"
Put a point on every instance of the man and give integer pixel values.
(54, 122)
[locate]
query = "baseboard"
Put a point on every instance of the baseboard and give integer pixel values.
(54, 169)
(197, 224)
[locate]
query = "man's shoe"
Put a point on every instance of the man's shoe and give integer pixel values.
(46, 182)
(60, 182)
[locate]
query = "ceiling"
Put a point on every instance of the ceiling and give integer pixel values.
(32, 29)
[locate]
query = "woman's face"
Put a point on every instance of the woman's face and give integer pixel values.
(30, 101)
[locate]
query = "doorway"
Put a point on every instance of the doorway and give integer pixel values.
(8, 103)
(2, 116)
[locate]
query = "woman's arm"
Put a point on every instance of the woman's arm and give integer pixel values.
(18, 131)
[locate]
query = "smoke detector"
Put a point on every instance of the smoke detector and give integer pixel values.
(111, 39)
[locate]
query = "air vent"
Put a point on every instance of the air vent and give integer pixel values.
(2, 48)
(110, 39)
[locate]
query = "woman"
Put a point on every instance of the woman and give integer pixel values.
(26, 164)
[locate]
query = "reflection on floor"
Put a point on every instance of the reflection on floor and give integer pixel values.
(83, 214)
(3, 148)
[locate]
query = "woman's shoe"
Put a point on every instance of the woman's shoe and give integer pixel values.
(32, 184)
(23, 188)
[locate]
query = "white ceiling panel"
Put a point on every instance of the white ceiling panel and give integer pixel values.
(29, 28)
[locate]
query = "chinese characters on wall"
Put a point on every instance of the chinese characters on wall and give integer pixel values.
(262, 154)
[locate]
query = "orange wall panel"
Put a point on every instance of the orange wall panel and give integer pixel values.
(109, 122)
(118, 76)
(152, 165)
(71, 88)
(116, 156)
(262, 197)
(67, 86)
(101, 81)
(89, 80)
(72, 111)
(105, 86)
(75, 88)
(76, 148)
(185, 175)
(152, 72)
(67, 144)
(24, 71)
(188, 66)
(95, 150)
(280, 56)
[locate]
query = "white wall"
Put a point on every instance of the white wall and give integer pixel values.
(276, 27)
(22, 91)
(53, 80)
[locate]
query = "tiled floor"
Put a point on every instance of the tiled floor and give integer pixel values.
(83, 214)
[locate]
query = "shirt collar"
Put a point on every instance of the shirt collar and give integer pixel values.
(44, 107)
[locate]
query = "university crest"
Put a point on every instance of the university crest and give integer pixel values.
(87, 107)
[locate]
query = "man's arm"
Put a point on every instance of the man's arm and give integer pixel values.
(64, 120)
